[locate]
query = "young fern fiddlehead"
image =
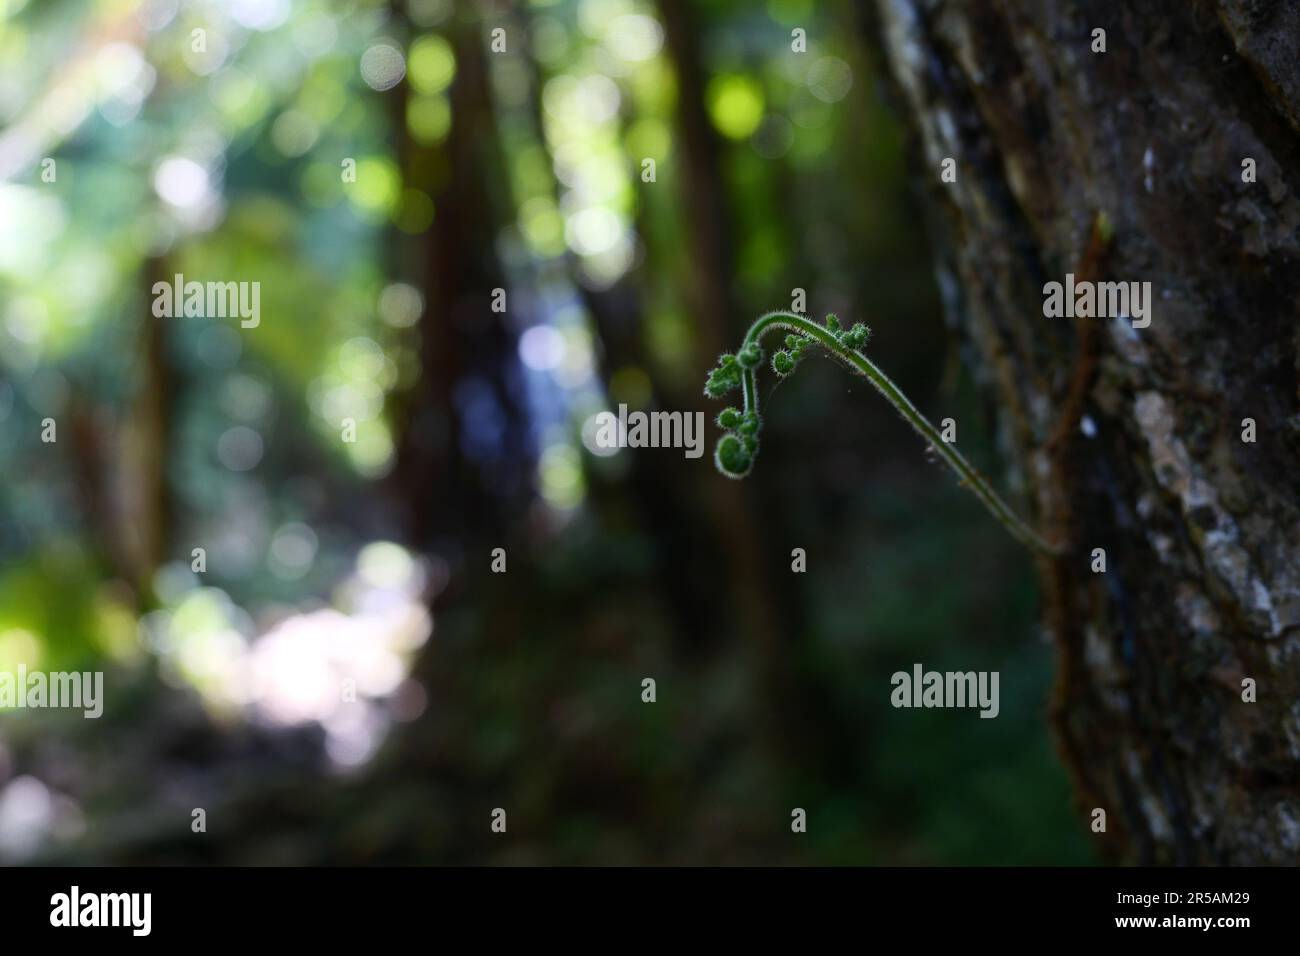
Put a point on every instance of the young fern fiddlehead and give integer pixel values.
(738, 446)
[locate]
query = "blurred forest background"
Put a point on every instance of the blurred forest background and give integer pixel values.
(330, 561)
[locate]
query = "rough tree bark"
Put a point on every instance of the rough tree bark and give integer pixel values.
(1131, 439)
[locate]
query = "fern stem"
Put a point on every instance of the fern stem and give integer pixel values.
(859, 363)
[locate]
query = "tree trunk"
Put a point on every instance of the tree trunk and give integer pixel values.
(1131, 439)
(468, 393)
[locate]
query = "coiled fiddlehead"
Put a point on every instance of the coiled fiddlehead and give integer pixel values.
(738, 446)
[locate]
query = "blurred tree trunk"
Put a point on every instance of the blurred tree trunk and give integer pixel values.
(465, 435)
(1131, 439)
(704, 190)
(121, 461)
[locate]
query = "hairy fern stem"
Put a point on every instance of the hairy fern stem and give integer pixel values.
(739, 445)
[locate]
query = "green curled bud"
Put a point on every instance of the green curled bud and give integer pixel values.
(732, 457)
(792, 341)
(724, 378)
(832, 323)
(749, 424)
(719, 384)
(729, 418)
(856, 337)
(782, 363)
(751, 356)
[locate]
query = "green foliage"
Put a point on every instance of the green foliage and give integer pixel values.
(54, 600)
